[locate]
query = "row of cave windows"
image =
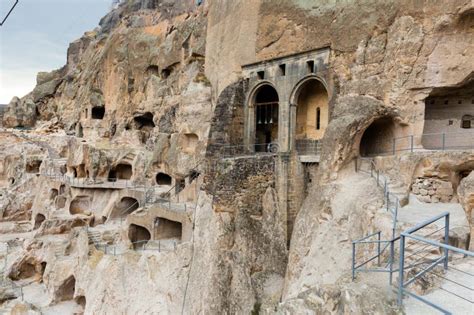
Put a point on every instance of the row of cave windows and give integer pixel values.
(446, 102)
(310, 68)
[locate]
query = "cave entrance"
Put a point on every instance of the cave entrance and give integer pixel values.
(80, 205)
(126, 206)
(121, 171)
(33, 167)
(53, 194)
(266, 117)
(145, 124)
(66, 290)
(167, 229)
(39, 219)
(312, 111)
(450, 111)
(163, 179)
(378, 137)
(138, 235)
(98, 112)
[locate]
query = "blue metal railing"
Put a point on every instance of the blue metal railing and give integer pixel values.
(428, 265)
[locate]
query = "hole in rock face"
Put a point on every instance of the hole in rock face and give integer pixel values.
(98, 112)
(167, 229)
(33, 167)
(378, 137)
(124, 171)
(163, 179)
(260, 75)
(53, 194)
(144, 121)
(81, 300)
(38, 220)
(62, 189)
(80, 205)
(165, 73)
(66, 290)
(153, 70)
(138, 235)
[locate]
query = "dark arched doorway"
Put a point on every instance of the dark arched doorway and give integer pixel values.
(378, 138)
(266, 117)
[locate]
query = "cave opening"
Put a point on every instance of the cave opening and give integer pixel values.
(98, 112)
(138, 235)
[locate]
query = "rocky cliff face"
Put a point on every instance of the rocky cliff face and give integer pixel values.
(133, 125)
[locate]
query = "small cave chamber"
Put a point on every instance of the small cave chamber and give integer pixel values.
(138, 235)
(145, 124)
(449, 117)
(66, 291)
(163, 179)
(80, 205)
(167, 229)
(39, 219)
(33, 166)
(120, 172)
(98, 112)
(53, 194)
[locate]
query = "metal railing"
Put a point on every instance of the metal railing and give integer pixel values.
(308, 147)
(151, 245)
(429, 142)
(427, 265)
(392, 205)
(391, 201)
(229, 151)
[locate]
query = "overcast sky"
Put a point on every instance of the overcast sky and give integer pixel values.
(36, 36)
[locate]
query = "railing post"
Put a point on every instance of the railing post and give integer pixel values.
(378, 175)
(400, 271)
(392, 254)
(446, 241)
(388, 201)
(353, 260)
(159, 246)
(393, 145)
(411, 143)
(356, 160)
(444, 141)
(378, 249)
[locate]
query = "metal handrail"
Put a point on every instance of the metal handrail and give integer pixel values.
(433, 263)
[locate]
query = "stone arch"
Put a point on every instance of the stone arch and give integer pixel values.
(123, 208)
(263, 116)
(378, 137)
(80, 205)
(39, 219)
(138, 235)
(311, 98)
(163, 179)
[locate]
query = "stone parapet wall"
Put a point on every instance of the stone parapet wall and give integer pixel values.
(432, 190)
